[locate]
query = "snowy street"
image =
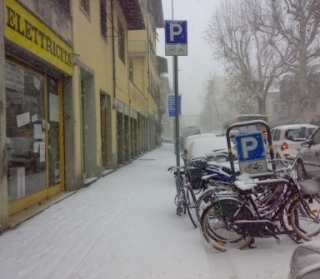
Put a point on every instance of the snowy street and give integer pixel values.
(125, 226)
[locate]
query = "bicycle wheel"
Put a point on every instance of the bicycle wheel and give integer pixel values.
(179, 201)
(216, 228)
(203, 201)
(305, 217)
(191, 204)
(206, 197)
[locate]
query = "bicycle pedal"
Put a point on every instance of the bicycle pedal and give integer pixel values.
(179, 210)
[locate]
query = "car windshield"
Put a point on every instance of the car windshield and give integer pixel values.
(299, 133)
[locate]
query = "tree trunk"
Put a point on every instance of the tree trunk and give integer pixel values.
(303, 68)
(262, 108)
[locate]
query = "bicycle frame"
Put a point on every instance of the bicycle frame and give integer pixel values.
(289, 195)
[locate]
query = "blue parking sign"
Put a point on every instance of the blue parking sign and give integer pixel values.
(176, 32)
(250, 147)
(176, 37)
(171, 105)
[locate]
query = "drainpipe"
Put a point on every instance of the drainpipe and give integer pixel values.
(114, 159)
(148, 82)
(3, 157)
(113, 53)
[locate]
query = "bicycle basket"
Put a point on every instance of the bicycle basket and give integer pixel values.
(310, 186)
(195, 175)
(200, 162)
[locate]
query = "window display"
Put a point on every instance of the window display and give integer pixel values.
(27, 127)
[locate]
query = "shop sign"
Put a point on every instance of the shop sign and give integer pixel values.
(27, 31)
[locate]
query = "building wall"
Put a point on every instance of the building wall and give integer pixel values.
(53, 15)
(94, 81)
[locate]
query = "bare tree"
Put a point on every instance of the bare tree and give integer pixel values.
(245, 102)
(215, 103)
(247, 52)
(297, 23)
(210, 110)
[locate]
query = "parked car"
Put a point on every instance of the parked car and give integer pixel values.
(287, 139)
(308, 158)
(186, 132)
(305, 261)
(213, 147)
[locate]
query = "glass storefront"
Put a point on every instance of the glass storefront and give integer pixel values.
(53, 131)
(33, 131)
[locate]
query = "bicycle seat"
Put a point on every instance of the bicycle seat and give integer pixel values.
(245, 185)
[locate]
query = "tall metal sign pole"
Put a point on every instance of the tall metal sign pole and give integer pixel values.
(176, 45)
(3, 161)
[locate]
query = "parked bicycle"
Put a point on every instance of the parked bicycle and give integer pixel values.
(284, 207)
(207, 178)
(193, 180)
(185, 199)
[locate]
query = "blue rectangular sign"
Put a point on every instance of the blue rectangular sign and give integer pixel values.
(250, 147)
(176, 32)
(172, 105)
(176, 38)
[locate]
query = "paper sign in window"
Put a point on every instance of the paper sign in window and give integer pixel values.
(36, 83)
(37, 128)
(34, 118)
(54, 108)
(42, 152)
(23, 119)
(36, 147)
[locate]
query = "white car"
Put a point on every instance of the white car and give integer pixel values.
(213, 147)
(287, 139)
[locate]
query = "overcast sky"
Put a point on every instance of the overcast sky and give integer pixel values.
(196, 68)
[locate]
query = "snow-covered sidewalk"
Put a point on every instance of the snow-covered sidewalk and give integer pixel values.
(124, 226)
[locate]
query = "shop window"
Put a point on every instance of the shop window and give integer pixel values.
(121, 42)
(53, 131)
(103, 18)
(25, 133)
(85, 7)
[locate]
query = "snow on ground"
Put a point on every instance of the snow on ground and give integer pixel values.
(124, 226)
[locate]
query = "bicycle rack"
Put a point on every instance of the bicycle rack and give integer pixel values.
(246, 124)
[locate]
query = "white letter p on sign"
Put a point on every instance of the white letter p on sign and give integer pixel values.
(175, 30)
(246, 148)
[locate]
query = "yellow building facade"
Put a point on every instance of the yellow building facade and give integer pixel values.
(82, 101)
